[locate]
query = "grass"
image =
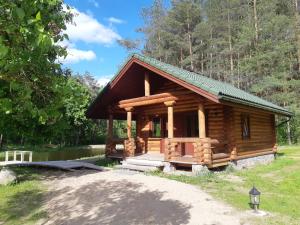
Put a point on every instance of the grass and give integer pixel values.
(20, 203)
(106, 162)
(279, 183)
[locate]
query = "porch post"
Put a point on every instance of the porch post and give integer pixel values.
(147, 84)
(109, 147)
(129, 119)
(110, 126)
(201, 121)
(170, 104)
(129, 144)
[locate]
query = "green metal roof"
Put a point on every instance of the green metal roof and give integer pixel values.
(222, 90)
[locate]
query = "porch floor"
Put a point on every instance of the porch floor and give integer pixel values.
(149, 156)
(145, 156)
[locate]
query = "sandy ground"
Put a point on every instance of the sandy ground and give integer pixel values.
(117, 197)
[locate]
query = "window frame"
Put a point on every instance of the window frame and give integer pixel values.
(153, 127)
(245, 118)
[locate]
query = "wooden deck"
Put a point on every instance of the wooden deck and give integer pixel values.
(63, 165)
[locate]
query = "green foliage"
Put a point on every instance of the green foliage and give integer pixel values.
(39, 102)
(105, 162)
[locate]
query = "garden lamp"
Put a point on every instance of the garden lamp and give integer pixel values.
(254, 195)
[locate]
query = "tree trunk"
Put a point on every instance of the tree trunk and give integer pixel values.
(181, 58)
(238, 70)
(289, 138)
(77, 137)
(211, 54)
(297, 33)
(255, 21)
(190, 47)
(1, 141)
(202, 59)
(159, 50)
(230, 47)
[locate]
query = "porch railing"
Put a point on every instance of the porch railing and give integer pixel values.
(203, 153)
(112, 145)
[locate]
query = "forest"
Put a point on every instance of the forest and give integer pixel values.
(252, 44)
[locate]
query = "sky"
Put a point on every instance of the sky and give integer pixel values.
(98, 24)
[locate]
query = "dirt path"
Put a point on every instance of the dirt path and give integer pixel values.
(125, 198)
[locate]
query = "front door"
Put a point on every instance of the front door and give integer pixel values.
(157, 135)
(191, 130)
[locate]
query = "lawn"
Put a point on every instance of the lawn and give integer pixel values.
(279, 183)
(105, 162)
(21, 203)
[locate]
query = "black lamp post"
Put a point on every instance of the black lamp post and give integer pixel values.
(254, 195)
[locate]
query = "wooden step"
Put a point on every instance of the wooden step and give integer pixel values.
(219, 164)
(220, 156)
(136, 167)
(142, 162)
(221, 160)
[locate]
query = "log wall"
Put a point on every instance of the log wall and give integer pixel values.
(262, 131)
(223, 122)
(187, 103)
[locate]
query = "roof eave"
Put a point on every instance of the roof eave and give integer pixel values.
(248, 103)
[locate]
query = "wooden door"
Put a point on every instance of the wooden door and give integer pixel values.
(191, 130)
(158, 131)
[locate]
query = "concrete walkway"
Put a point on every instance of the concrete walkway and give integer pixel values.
(118, 197)
(70, 165)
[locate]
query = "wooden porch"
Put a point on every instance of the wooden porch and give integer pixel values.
(203, 155)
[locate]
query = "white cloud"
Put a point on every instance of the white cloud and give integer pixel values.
(76, 55)
(104, 80)
(115, 20)
(87, 29)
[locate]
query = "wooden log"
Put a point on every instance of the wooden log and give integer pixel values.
(254, 154)
(110, 126)
(30, 156)
(129, 119)
(6, 156)
(170, 104)
(147, 84)
(201, 121)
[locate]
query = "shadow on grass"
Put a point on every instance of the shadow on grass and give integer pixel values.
(106, 162)
(279, 154)
(21, 203)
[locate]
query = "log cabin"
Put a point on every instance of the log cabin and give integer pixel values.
(183, 117)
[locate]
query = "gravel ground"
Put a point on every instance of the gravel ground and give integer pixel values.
(120, 198)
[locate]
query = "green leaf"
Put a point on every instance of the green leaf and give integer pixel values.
(20, 13)
(3, 51)
(38, 16)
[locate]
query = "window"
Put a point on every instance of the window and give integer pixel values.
(156, 127)
(245, 122)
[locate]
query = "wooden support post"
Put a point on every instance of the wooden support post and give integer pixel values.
(170, 104)
(110, 126)
(15, 156)
(22, 156)
(6, 156)
(201, 121)
(30, 156)
(129, 119)
(147, 84)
